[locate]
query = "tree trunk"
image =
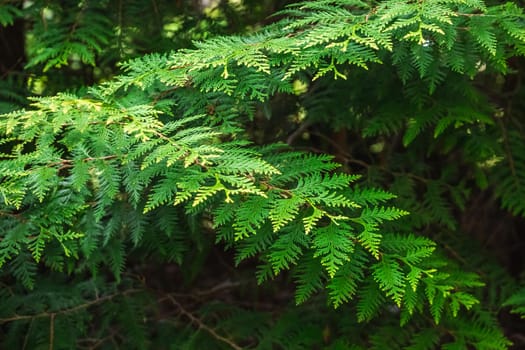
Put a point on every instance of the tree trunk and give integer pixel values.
(12, 48)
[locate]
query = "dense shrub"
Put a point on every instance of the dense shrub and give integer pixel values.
(140, 210)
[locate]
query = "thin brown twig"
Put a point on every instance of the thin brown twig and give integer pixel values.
(11, 69)
(224, 285)
(95, 343)
(69, 310)
(51, 331)
(11, 215)
(298, 132)
(201, 325)
(67, 163)
(78, 18)
(348, 158)
(28, 332)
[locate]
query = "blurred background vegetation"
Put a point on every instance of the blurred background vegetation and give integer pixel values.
(43, 50)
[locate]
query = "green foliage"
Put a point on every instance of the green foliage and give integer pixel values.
(517, 302)
(63, 35)
(8, 14)
(114, 198)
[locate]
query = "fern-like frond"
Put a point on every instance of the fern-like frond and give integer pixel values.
(334, 244)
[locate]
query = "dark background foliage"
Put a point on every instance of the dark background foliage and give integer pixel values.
(200, 299)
